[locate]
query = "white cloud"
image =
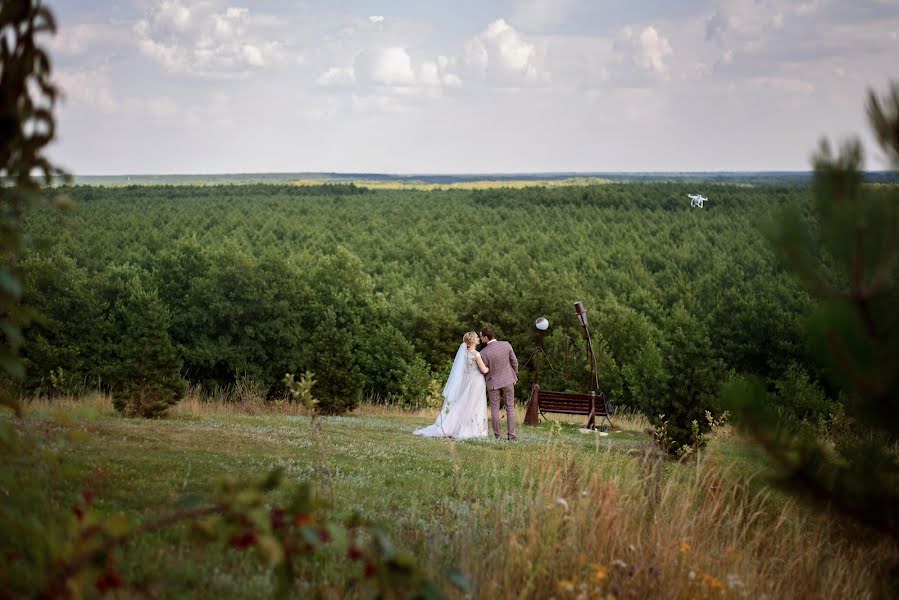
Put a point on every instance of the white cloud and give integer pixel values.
(253, 55)
(429, 74)
(170, 57)
(736, 21)
(384, 75)
(208, 41)
(450, 80)
(230, 24)
(173, 12)
(376, 19)
(337, 76)
(500, 52)
(389, 66)
(647, 50)
(653, 50)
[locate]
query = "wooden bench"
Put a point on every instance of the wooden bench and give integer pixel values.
(566, 403)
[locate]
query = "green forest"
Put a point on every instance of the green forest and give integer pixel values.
(372, 290)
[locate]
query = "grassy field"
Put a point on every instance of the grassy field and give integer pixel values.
(558, 513)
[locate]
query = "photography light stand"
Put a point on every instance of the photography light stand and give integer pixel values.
(593, 383)
(532, 415)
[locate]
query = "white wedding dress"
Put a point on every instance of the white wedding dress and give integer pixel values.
(464, 411)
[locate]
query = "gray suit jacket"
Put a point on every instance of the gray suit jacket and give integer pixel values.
(499, 357)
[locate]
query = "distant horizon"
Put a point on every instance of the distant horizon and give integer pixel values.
(469, 174)
(452, 180)
(458, 173)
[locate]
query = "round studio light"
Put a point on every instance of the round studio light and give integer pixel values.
(542, 324)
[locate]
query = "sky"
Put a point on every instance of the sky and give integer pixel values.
(464, 86)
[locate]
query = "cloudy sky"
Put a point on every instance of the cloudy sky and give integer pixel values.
(473, 86)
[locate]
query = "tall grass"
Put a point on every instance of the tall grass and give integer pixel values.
(640, 527)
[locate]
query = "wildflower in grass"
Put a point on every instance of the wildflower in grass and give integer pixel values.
(734, 582)
(563, 503)
(684, 547)
(600, 574)
(713, 583)
(566, 585)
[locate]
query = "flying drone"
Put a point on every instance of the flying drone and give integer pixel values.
(697, 200)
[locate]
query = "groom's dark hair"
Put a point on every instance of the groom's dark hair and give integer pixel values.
(487, 333)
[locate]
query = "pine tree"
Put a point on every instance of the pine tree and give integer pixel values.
(689, 387)
(146, 380)
(848, 256)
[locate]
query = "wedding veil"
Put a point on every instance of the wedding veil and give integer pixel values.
(454, 381)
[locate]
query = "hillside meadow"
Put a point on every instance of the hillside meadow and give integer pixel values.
(558, 514)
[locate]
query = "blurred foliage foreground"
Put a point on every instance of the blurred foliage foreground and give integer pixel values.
(848, 255)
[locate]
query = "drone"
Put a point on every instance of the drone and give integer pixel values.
(697, 200)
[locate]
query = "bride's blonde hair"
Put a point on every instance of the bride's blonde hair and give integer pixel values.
(470, 337)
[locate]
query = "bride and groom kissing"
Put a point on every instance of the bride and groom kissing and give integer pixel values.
(475, 377)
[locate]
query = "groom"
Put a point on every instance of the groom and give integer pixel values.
(500, 359)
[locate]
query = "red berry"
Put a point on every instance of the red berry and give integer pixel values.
(369, 570)
(243, 540)
(277, 518)
(109, 580)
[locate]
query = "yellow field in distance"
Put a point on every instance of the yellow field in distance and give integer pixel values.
(461, 185)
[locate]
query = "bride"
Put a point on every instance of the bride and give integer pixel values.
(464, 411)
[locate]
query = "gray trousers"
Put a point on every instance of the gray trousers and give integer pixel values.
(507, 396)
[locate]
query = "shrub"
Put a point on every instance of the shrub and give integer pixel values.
(418, 388)
(145, 375)
(689, 387)
(801, 398)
